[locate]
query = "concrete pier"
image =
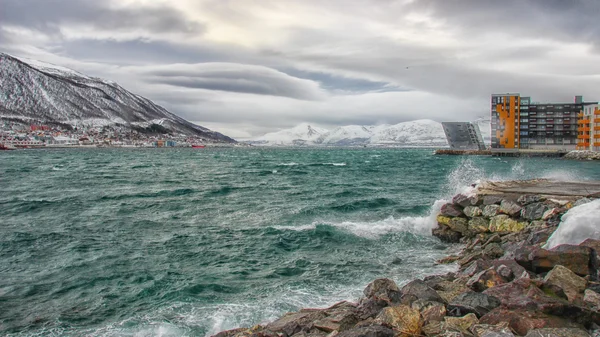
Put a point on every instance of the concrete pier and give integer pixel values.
(566, 190)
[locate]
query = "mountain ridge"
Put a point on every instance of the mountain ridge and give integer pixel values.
(40, 92)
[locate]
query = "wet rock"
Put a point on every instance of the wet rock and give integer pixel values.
(485, 279)
(472, 211)
(369, 331)
(430, 311)
(528, 199)
(491, 210)
(292, 323)
(433, 329)
(461, 324)
(418, 289)
(479, 224)
(492, 200)
(540, 236)
(493, 250)
(566, 280)
(449, 290)
(503, 223)
(486, 330)
(522, 321)
(592, 299)
(576, 258)
(383, 289)
(370, 307)
(462, 200)
(510, 208)
(458, 225)
(451, 210)
(472, 302)
(402, 318)
(534, 211)
(558, 332)
(445, 234)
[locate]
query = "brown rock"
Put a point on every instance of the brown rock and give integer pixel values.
(461, 200)
(486, 330)
(445, 234)
(430, 311)
(472, 302)
(383, 289)
(485, 279)
(522, 321)
(449, 290)
(595, 257)
(451, 210)
(510, 208)
(403, 319)
(576, 258)
(461, 324)
(293, 323)
(558, 332)
(368, 331)
(564, 278)
(433, 329)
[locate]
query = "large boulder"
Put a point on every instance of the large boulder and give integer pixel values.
(503, 223)
(510, 208)
(368, 331)
(403, 319)
(534, 211)
(491, 210)
(558, 332)
(462, 200)
(292, 323)
(485, 279)
(340, 317)
(461, 324)
(459, 225)
(419, 290)
(383, 289)
(451, 210)
(472, 302)
(523, 321)
(563, 278)
(449, 290)
(445, 234)
(576, 258)
(472, 211)
(492, 200)
(479, 224)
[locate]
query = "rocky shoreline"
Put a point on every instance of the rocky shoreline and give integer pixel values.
(583, 155)
(506, 284)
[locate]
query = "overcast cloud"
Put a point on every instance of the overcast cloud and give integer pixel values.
(249, 67)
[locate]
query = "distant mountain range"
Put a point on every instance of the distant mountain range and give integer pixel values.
(419, 133)
(36, 92)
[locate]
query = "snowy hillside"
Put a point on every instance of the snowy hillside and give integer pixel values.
(415, 133)
(303, 134)
(33, 91)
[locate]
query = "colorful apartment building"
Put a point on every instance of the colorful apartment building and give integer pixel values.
(588, 128)
(518, 123)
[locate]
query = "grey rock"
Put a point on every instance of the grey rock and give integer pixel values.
(418, 289)
(383, 289)
(459, 225)
(493, 250)
(510, 208)
(472, 211)
(492, 200)
(479, 225)
(369, 331)
(491, 210)
(451, 210)
(581, 201)
(461, 200)
(528, 199)
(472, 302)
(534, 211)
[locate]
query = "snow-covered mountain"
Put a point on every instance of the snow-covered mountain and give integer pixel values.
(38, 92)
(303, 134)
(415, 133)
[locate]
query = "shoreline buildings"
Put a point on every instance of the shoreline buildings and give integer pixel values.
(463, 136)
(518, 123)
(588, 129)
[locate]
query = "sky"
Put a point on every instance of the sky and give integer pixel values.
(247, 67)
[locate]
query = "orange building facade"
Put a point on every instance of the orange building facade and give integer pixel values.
(517, 123)
(588, 128)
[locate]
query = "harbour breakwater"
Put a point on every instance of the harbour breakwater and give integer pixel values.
(514, 276)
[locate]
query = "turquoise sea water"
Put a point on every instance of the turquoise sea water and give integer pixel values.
(188, 242)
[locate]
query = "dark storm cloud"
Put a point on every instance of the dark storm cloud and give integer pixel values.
(48, 15)
(235, 78)
(568, 20)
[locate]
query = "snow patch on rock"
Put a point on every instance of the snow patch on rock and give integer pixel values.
(577, 225)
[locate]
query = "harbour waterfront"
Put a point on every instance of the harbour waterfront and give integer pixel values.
(118, 242)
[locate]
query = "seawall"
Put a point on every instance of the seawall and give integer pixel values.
(506, 283)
